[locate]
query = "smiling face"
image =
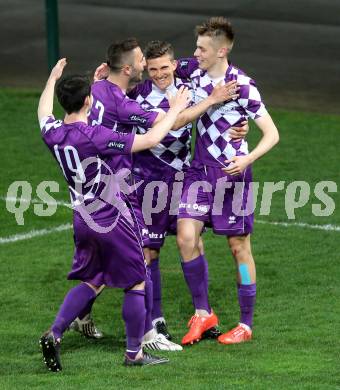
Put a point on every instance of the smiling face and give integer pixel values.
(161, 71)
(206, 52)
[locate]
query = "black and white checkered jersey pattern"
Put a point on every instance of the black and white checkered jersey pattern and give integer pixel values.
(174, 149)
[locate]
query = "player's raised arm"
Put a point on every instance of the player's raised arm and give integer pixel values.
(270, 137)
(146, 141)
(45, 107)
(221, 93)
(102, 72)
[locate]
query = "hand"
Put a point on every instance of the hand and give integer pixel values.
(57, 71)
(102, 72)
(181, 100)
(226, 92)
(237, 165)
(238, 133)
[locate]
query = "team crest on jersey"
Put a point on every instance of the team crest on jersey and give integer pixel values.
(138, 119)
(116, 145)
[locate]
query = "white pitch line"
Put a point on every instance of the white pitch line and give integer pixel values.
(35, 201)
(34, 233)
(60, 228)
(328, 227)
(43, 232)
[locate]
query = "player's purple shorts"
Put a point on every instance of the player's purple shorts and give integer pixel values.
(163, 222)
(137, 210)
(115, 258)
(221, 201)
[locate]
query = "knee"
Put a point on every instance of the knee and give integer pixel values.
(96, 289)
(201, 246)
(239, 248)
(154, 254)
(139, 286)
(186, 241)
(147, 255)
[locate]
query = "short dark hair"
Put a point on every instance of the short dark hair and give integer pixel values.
(118, 52)
(216, 27)
(72, 91)
(155, 49)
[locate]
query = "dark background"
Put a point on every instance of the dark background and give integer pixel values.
(291, 48)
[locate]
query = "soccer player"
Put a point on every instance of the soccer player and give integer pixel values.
(163, 163)
(224, 165)
(108, 250)
(114, 109)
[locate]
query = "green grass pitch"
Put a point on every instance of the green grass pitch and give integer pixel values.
(296, 333)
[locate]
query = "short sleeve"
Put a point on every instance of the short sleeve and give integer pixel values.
(250, 100)
(49, 122)
(131, 113)
(186, 66)
(109, 142)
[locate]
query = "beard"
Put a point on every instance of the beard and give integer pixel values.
(135, 77)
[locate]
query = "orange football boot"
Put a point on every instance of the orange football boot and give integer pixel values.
(198, 325)
(237, 335)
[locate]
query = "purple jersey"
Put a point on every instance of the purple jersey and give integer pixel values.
(81, 152)
(172, 154)
(113, 109)
(213, 143)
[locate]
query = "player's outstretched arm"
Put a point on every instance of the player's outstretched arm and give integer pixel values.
(220, 93)
(155, 135)
(45, 107)
(270, 137)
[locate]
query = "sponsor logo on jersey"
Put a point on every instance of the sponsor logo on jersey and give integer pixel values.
(225, 108)
(232, 219)
(195, 207)
(137, 118)
(156, 236)
(184, 64)
(116, 145)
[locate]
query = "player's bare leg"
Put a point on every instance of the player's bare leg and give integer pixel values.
(188, 238)
(147, 255)
(201, 246)
(196, 275)
(246, 284)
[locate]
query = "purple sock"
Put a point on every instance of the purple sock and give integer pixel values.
(87, 309)
(206, 273)
(196, 277)
(134, 316)
(148, 302)
(157, 289)
(246, 299)
(74, 303)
